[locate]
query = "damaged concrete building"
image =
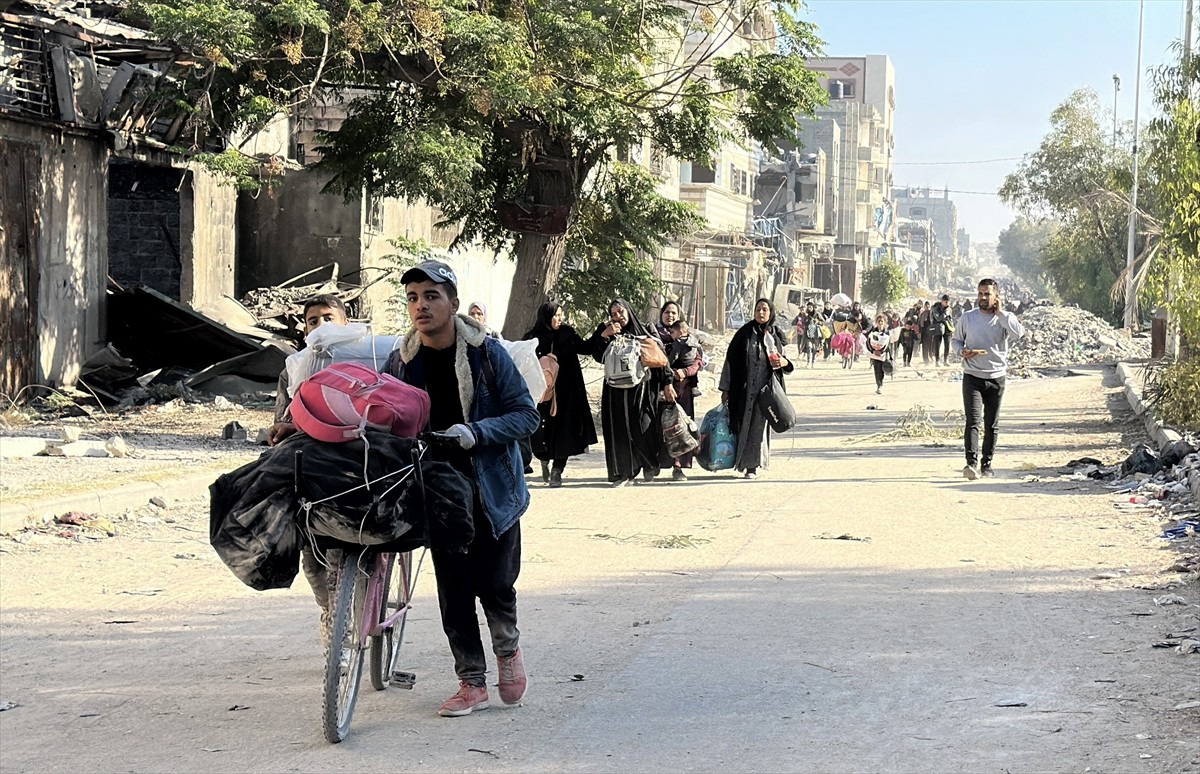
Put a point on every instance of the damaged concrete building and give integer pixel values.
(89, 191)
(95, 202)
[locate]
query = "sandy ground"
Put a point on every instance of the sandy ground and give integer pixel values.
(750, 643)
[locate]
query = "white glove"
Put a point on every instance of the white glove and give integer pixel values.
(462, 434)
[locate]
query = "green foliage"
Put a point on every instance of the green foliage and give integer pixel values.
(621, 223)
(233, 168)
(1020, 249)
(465, 103)
(884, 284)
(1073, 178)
(1173, 389)
(1173, 141)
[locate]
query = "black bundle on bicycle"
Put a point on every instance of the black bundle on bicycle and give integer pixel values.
(258, 521)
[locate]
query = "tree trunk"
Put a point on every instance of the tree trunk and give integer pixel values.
(539, 262)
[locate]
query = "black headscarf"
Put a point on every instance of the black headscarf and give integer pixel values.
(542, 329)
(635, 326)
(748, 336)
(663, 332)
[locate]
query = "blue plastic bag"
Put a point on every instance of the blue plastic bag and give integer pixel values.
(718, 444)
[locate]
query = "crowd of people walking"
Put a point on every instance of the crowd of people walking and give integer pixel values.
(478, 402)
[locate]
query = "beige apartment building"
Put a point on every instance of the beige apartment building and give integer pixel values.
(862, 106)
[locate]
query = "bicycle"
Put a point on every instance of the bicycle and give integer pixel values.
(372, 595)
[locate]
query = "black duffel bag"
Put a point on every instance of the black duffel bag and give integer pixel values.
(774, 404)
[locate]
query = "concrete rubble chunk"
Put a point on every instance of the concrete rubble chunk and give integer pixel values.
(116, 446)
(12, 448)
(78, 449)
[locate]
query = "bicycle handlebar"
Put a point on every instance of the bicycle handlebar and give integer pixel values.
(439, 440)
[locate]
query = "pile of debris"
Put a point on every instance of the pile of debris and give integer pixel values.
(1063, 336)
(279, 308)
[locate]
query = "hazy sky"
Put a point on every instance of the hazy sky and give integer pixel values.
(977, 79)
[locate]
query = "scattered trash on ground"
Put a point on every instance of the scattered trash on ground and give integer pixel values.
(843, 536)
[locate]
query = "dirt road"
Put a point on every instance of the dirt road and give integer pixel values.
(709, 625)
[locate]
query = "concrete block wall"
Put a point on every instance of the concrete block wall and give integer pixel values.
(144, 226)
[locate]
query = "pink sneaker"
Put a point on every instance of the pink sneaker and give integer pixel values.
(468, 699)
(512, 678)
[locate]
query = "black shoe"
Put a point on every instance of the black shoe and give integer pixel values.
(677, 474)
(545, 472)
(987, 472)
(555, 479)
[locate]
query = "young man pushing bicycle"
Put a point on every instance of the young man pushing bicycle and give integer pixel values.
(478, 399)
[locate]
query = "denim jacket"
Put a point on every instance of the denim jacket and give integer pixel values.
(501, 413)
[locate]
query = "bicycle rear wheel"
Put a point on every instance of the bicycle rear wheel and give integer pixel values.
(397, 593)
(344, 658)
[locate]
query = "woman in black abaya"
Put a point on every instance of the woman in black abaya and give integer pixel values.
(567, 428)
(628, 417)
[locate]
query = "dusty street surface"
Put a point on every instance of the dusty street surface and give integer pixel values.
(706, 626)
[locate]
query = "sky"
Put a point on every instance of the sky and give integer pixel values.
(977, 79)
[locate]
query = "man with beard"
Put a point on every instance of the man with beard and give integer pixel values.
(982, 339)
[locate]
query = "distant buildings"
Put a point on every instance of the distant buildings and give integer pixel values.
(854, 136)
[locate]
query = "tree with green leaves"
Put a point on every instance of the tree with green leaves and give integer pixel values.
(1168, 268)
(884, 284)
(503, 114)
(1075, 177)
(1020, 249)
(620, 223)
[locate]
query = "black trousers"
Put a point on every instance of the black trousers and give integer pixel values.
(878, 366)
(942, 341)
(981, 402)
(487, 572)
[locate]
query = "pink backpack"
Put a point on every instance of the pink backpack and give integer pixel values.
(337, 403)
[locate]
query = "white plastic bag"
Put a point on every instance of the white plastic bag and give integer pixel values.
(524, 354)
(352, 343)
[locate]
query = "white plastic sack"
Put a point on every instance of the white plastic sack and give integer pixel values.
(524, 354)
(330, 344)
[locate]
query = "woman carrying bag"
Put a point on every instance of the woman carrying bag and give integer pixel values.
(629, 414)
(755, 357)
(567, 428)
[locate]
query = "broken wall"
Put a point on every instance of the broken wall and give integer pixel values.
(208, 238)
(293, 227)
(144, 225)
(70, 213)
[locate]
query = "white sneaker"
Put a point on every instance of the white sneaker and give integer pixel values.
(970, 472)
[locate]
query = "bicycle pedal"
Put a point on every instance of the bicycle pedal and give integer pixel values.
(404, 680)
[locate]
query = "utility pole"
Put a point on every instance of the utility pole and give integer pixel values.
(1116, 88)
(1131, 320)
(1188, 17)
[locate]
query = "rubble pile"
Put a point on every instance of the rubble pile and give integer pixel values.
(270, 302)
(1062, 336)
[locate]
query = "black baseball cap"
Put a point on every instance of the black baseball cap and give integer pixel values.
(434, 271)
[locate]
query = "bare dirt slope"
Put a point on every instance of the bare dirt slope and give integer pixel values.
(709, 625)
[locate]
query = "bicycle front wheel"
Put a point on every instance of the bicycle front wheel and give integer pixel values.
(344, 659)
(397, 593)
